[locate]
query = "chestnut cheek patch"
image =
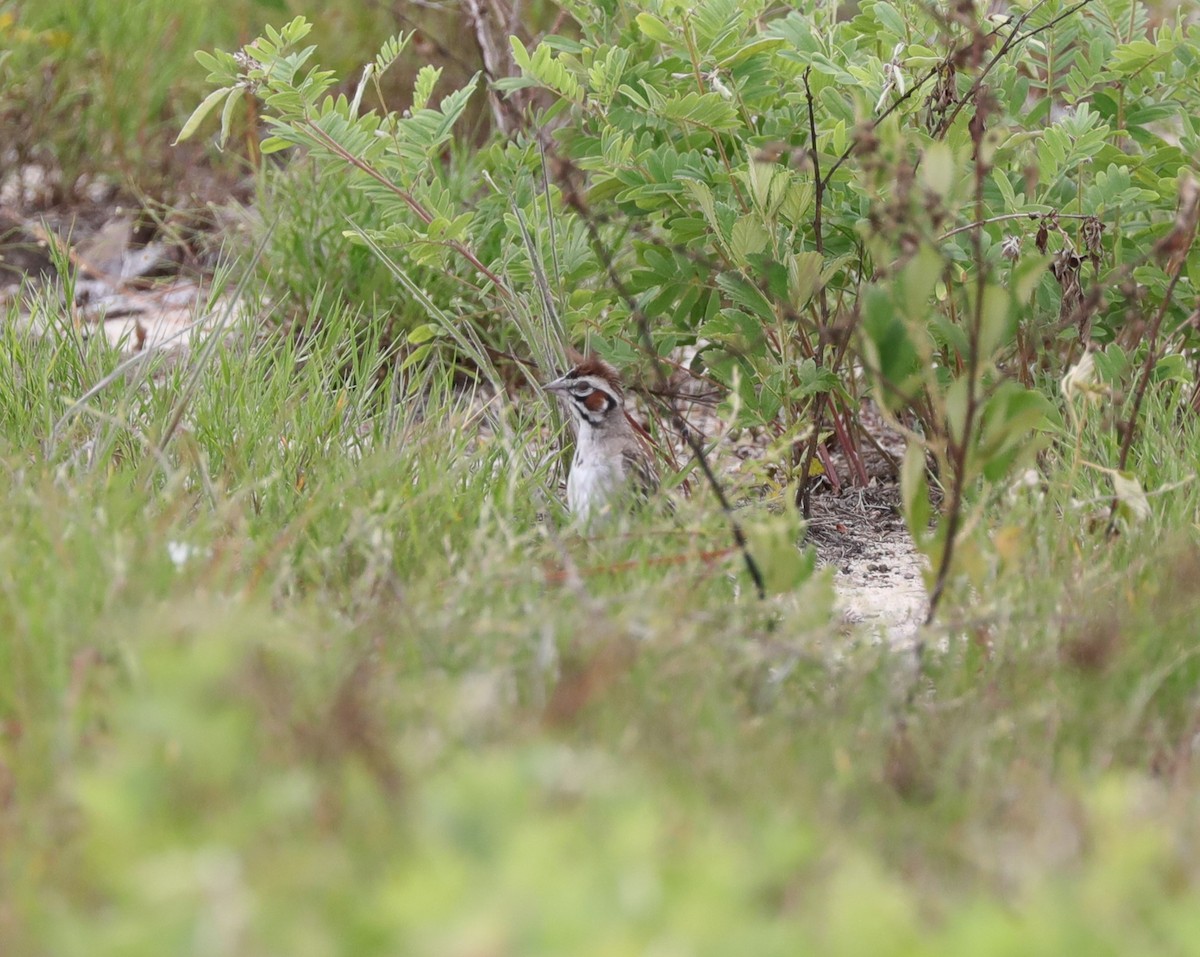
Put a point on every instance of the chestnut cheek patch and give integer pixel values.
(596, 402)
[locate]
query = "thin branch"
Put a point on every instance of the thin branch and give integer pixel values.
(697, 447)
(1013, 40)
(819, 184)
(1007, 216)
(404, 195)
(804, 490)
(495, 63)
(959, 448)
(891, 108)
(559, 576)
(1139, 394)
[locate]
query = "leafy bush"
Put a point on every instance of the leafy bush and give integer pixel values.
(297, 234)
(100, 88)
(950, 203)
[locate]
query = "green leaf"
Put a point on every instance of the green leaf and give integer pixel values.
(736, 331)
(994, 326)
(417, 355)
(427, 78)
(746, 295)
(1008, 423)
(297, 29)
(1171, 368)
(199, 113)
(753, 48)
(889, 349)
(1026, 275)
(214, 66)
(812, 379)
(1133, 57)
(914, 491)
(227, 117)
(775, 543)
(547, 69)
(748, 237)
(424, 333)
(797, 201)
(710, 111)
(1000, 178)
(562, 44)
(652, 27)
(702, 195)
(889, 17)
(938, 168)
(957, 398)
(273, 144)
(768, 183)
(519, 53)
(803, 277)
(917, 281)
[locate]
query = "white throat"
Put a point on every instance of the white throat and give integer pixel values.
(596, 474)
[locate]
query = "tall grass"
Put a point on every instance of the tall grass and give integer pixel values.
(323, 670)
(99, 90)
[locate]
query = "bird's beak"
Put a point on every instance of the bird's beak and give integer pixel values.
(559, 386)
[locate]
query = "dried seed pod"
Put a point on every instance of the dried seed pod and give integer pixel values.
(977, 127)
(1065, 268)
(771, 152)
(1091, 232)
(942, 97)
(1174, 246)
(1010, 248)
(1043, 236)
(865, 140)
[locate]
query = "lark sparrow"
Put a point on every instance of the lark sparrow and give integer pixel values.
(612, 460)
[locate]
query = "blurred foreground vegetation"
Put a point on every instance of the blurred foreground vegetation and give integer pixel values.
(298, 654)
(302, 677)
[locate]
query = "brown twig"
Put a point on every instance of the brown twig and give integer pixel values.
(1013, 40)
(405, 196)
(804, 489)
(697, 447)
(496, 63)
(958, 449)
(1008, 216)
(557, 576)
(1129, 428)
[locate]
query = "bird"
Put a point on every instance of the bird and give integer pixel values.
(613, 466)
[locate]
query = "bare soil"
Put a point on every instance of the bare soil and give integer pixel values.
(139, 286)
(879, 574)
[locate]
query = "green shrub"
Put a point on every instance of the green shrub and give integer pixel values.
(99, 89)
(950, 205)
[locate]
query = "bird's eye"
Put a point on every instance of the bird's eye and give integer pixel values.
(582, 391)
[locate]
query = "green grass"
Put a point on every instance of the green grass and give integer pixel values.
(299, 655)
(291, 665)
(101, 89)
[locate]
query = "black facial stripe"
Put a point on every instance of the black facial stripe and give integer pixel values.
(581, 393)
(596, 417)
